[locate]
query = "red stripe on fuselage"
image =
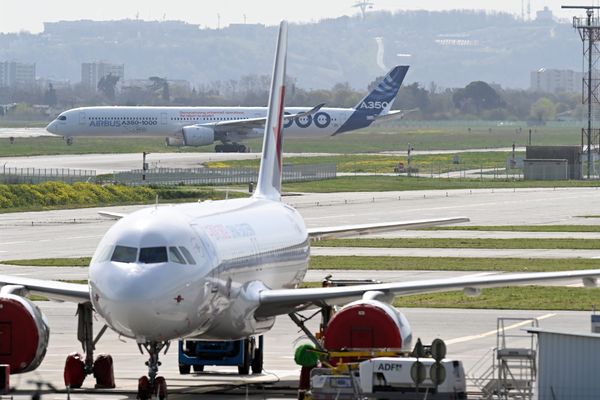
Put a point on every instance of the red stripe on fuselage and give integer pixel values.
(279, 125)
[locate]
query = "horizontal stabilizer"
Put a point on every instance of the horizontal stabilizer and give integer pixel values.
(111, 215)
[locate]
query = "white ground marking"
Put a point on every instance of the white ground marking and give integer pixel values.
(495, 331)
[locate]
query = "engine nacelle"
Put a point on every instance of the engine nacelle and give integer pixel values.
(368, 324)
(24, 334)
(198, 135)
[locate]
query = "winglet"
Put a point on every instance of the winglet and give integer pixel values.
(269, 175)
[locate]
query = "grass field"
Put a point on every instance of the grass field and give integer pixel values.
(391, 263)
(509, 298)
(347, 263)
(51, 262)
(377, 139)
(464, 243)
(520, 228)
(398, 183)
(430, 163)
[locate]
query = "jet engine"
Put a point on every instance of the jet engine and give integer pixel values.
(24, 334)
(368, 324)
(198, 135)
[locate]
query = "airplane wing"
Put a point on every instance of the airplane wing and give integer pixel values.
(363, 229)
(251, 123)
(285, 301)
(54, 290)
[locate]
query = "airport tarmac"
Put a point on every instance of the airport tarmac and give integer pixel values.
(470, 334)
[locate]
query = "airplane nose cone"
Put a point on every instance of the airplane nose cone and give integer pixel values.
(52, 127)
(151, 302)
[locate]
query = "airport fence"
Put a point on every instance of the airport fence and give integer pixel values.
(220, 176)
(10, 175)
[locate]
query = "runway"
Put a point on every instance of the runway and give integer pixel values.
(71, 233)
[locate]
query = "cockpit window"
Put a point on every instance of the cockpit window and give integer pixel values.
(175, 256)
(188, 255)
(152, 255)
(62, 118)
(124, 254)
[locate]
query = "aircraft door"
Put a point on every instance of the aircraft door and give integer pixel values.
(81, 118)
(163, 118)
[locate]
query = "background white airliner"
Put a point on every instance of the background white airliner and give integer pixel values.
(202, 126)
(212, 270)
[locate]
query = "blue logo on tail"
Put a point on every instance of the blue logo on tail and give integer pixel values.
(377, 101)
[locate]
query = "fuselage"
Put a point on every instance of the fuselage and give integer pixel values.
(197, 269)
(169, 121)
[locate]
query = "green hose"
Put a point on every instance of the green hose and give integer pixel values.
(304, 357)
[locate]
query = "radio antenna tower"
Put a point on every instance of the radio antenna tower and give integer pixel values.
(363, 5)
(589, 31)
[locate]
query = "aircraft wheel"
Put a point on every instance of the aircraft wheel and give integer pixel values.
(219, 148)
(160, 387)
(185, 369)
(198, 368)
(144, 391)
(69, 140)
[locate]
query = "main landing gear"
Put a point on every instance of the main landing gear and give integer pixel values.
(152, 385)
(76, 366)
(232, 148)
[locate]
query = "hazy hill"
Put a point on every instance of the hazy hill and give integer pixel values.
(450, 48)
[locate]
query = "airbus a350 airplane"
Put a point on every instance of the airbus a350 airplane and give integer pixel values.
(202, 126)
(211, 270)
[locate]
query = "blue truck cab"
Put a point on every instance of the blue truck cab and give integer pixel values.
(246, 354)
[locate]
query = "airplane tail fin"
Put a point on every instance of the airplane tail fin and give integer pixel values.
(381, 98)
(377, 103)
(269, 175)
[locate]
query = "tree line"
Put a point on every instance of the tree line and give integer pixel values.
(477, 100)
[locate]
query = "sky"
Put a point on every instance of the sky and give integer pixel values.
(29, 15)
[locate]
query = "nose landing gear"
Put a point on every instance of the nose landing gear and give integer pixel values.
(152, 385)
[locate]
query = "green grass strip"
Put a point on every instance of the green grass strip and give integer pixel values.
(520, 228)
(554, 298)
(50, 262)
(391, 263)
(451, 264)
(449, 243)
(509, 298)
(396, 183)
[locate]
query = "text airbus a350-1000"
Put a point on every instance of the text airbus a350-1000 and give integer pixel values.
(213, 270)
(203, 126)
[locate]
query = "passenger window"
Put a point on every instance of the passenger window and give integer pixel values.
(124, 254)
(175, 256)
(188, 255)
(153, 255)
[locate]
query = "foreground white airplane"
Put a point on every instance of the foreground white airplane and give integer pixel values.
(202, 126)
(211, 270)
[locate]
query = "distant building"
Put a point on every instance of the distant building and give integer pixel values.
(91, 73)
(17, 75)
(556, 80)
(544, 15)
